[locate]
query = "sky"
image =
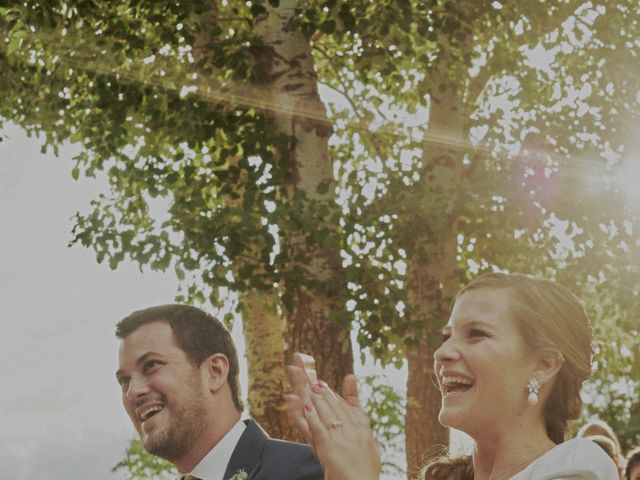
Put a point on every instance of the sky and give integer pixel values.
(60, 410)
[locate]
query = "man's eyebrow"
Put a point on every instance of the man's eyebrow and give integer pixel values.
(141, 359)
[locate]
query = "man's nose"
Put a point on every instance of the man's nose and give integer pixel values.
(138, 386)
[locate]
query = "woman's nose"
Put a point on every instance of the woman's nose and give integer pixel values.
(448, 351)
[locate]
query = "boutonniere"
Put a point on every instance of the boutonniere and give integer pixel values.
(240, 475)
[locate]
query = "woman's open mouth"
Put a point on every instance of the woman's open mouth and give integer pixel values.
(453, 386)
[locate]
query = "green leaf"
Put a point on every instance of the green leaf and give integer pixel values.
(328, 26)
(322, 188)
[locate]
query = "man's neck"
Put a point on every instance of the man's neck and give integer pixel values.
(205, 442)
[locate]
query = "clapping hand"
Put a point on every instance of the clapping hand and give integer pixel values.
(335, 426)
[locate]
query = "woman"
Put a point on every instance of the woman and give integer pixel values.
(514, 355)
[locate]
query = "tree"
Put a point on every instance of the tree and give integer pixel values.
(522, 115)
(184, 113)
(138, 464)
(522, 100)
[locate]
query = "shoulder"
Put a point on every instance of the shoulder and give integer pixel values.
(290, 461)
(575, 459)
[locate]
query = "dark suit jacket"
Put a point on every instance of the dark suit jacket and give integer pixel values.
(264, 458)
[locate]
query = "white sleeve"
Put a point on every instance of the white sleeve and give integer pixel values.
(575, 459)
(587, 461)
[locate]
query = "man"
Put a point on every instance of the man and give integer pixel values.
(179, 376)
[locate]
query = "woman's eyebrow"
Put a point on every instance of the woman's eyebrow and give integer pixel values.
(478, 324)
(469, 323)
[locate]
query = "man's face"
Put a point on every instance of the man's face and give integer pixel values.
(162, 391)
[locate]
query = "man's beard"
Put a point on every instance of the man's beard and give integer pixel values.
(186, 423)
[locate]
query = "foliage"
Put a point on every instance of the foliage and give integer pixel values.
(500, 132)
(533, 138)
(140, 465)
(164, 123)
(613, 401)
(385, 407)
(131, 106)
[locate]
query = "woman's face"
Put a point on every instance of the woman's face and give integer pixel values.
(483, 364)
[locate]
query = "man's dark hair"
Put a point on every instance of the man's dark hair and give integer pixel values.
(196, 332)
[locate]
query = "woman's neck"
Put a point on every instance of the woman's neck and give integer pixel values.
(502, 455)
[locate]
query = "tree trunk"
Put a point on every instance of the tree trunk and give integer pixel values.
(424, 434)
(433, 282)
(288, 71)
(311, 330)
(425, 437)
(264, 350)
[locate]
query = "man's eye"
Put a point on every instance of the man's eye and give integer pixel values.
(150, 364)
(444, 337)
(124, 382)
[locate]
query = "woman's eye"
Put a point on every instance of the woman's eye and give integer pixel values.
(477, 333)
(444, 337)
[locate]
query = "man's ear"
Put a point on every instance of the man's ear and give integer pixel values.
(548, 364)
(215, 369)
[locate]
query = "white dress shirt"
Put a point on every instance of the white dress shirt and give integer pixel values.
(214, 463)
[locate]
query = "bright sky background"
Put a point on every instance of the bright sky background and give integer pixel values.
(60, 411)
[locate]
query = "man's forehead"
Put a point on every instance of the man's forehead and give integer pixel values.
(156, 336)
(156, 330)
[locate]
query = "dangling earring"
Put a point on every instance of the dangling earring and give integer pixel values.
(534, 388)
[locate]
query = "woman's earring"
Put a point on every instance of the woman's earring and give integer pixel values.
(534, 388)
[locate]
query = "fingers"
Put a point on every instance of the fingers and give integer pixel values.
(297, 361)
(301, 374)
(297, 417)
(301, 394)
(330, 410)
(299, 381)
(351, 397)
(341, 433)
(317, 427)
(350, 390)
(308, 363)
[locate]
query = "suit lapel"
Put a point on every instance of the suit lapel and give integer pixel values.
(248, 452)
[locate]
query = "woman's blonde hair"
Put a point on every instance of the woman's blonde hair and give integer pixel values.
(549, 317)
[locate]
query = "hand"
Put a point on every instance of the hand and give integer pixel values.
(301, 374)
(336, 427)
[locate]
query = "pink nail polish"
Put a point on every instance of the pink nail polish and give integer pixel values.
(316, 389)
